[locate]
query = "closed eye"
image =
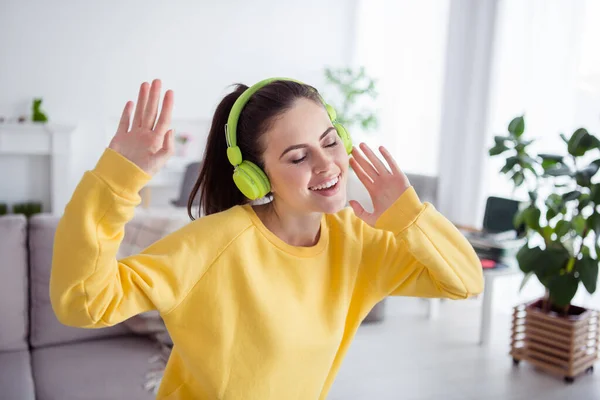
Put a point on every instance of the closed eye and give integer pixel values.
(299, 160)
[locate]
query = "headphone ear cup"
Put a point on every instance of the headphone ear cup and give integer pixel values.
(343, 134)
(251, 180)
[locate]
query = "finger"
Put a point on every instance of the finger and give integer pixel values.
(391, 162)
(358, 209)
(376, 161)
(141, 104)
(361, 174)
(125, 119)
(364, 163)
(164, 120)
(168, 147)
(151, 109)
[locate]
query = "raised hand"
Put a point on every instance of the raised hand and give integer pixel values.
(384, 185)
(148, 143)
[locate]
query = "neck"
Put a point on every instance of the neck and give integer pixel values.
(293, 228)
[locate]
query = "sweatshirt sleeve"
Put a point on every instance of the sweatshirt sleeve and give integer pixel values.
(415, 251)
(89, 287)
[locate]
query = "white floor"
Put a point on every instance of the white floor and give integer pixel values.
(409, 357)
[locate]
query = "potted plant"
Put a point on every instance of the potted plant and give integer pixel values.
(37, 114)
(562, 221)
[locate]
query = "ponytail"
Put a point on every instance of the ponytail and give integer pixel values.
(215, 184)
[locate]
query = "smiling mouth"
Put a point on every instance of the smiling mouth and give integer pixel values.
(327, 186)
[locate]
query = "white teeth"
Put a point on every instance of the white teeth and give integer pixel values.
(326, 185)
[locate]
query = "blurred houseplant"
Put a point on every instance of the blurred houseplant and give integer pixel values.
(562, 221)
(181, 143)
(28, 209)
(355, 91)
(36, 110)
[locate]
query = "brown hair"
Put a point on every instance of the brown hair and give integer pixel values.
(215, 184)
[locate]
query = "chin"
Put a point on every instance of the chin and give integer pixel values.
(333, 204)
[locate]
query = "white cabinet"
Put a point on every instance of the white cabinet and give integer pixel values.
(48, 146)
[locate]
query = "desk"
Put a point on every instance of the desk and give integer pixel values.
(489, 276)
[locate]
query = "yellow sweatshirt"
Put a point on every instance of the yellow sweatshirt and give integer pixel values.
(251, 317)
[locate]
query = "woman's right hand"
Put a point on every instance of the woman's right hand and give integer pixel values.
(146, 144)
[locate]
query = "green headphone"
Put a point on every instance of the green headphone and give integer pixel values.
(248, 177)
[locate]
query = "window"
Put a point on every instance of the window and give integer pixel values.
(547, 67)
(402, 43)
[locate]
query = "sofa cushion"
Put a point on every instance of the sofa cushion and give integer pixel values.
(45, 328)
(14, 287)
(426, 187)
(98, 369)
(16, 380)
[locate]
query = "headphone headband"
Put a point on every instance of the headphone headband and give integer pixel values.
(238, 106)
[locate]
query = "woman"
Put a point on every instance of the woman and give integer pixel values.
(261, 300)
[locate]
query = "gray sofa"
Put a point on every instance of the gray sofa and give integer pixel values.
(39, 357)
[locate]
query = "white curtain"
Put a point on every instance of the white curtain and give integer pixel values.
(465, 108)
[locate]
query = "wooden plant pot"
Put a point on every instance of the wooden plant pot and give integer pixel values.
(565, 345)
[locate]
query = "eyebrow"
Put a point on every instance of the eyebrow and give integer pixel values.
(300, 146)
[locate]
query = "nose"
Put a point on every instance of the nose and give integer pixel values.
(323, 162)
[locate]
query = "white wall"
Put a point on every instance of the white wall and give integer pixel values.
(86, 59)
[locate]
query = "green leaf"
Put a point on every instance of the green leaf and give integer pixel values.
(555, 202)
(579, 224)
(585, 251)
(562, 289)
(519, 219)
(571, 195)
(510, 163)
(532, 217)
(584, 176)
(550, 160)
(559, 170)
(591, 169)
(588, 273)
(547, 232)
(595, 194)
(581, 142)
(550, 214)
(594, 223)
(503, 139)
(584, 201)
(529, 258)
(498, 149)
(518, 178)
(562, 228)
(551, 157)
(533, 196)
(525, 280)
(544, 263)
(517, 126)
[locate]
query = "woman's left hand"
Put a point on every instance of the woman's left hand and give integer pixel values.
(385, 185)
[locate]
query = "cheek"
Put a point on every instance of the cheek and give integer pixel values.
(290, 179)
